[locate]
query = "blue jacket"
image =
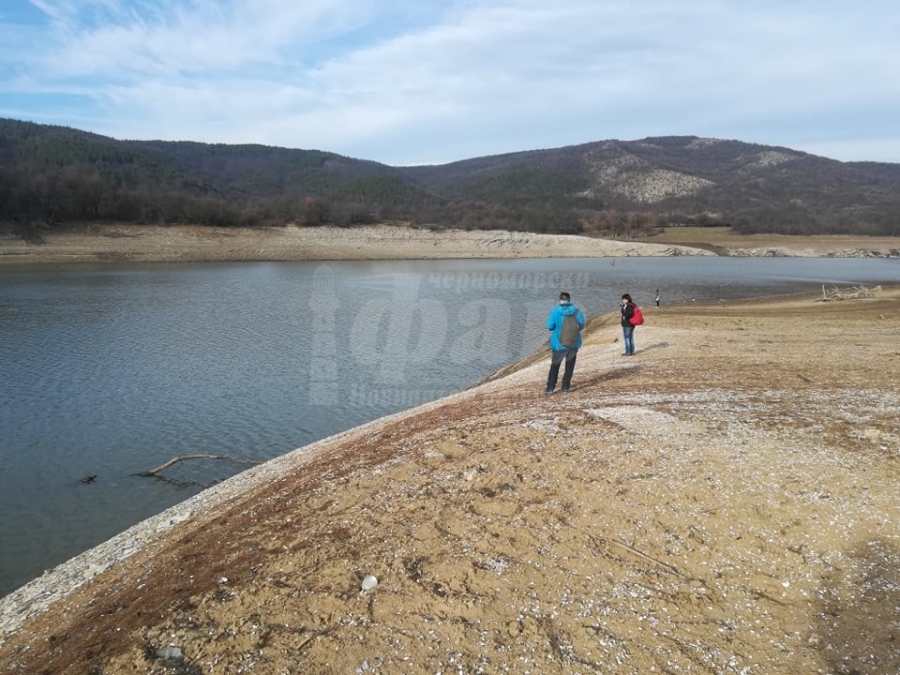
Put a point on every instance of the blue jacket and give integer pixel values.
(555, 321)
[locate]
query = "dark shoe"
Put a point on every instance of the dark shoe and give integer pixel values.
(564, 390)
(548, 391)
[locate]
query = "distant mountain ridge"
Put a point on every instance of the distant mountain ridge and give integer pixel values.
(51, 175)
(687, 173)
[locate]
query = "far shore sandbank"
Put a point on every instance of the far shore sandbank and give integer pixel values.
(141, 243)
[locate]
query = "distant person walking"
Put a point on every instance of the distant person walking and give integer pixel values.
(657, 297)
(628, 327)
(565, 324)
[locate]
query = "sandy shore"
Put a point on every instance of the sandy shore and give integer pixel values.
(725, 501)
(136, 243)
(724, 241)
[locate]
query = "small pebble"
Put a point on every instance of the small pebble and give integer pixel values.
(170, 653)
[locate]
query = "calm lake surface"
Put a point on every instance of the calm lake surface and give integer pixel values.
(113, 370)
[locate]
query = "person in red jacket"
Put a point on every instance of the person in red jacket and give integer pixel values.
(627, 326)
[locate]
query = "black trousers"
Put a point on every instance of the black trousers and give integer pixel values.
(569, 355)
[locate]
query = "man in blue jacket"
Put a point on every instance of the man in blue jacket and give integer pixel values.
(564, 323)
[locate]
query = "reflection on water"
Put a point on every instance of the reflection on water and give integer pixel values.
(111, 371)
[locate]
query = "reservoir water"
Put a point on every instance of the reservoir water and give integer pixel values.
(109, 371)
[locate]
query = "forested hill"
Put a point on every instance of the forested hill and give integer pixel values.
(54, 176)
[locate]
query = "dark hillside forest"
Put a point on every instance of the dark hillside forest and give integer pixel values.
(53, 177)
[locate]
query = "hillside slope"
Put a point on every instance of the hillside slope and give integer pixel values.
(683, 174)
(50, 175)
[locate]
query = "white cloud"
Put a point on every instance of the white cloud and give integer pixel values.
(200, 37)
(405, 81)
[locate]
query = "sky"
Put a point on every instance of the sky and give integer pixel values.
(409, 82)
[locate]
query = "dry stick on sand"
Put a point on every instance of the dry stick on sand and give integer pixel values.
(853, 294)
(182, 458)
(665, 566)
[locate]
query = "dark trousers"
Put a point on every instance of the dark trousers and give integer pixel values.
(555, 361)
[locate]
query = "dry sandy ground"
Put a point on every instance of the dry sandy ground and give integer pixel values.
(725, 501)
(723, 241)
(135, 243)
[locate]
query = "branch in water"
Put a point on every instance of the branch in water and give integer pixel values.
(182, 458)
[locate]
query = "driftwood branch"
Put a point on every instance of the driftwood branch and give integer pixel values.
(644, 556)
(182, 458)
(848, 294)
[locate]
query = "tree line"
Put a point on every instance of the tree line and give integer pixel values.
(35, 199)
(39, 199)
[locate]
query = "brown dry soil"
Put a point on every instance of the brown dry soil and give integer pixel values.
(142, 243)
(726, 501)
(184, 243)
(724, 241)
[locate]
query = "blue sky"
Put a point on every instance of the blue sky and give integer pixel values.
(421, 82)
